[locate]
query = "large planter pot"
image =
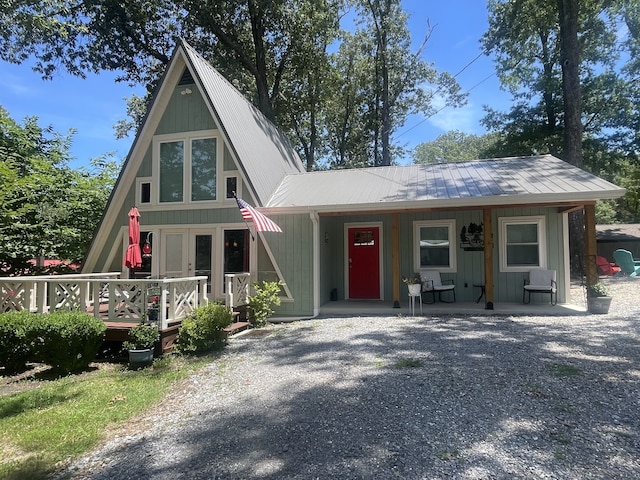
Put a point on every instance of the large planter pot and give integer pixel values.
(140, 358)
(599, 304)
(414, 289)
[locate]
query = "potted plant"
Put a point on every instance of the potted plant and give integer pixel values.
(598, 298)
(142, 341)
(153, 310)
(414, 284)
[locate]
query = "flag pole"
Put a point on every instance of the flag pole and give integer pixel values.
(253, 239)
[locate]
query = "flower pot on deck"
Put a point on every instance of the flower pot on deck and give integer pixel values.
(140, 358)
(414, 289)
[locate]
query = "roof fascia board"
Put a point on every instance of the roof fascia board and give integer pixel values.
(514, 202)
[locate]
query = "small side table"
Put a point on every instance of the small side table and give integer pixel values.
(481, 287)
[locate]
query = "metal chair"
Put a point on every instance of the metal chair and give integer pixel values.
(540, 281)
(431, 282)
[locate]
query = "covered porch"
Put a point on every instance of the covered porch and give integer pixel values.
(386, 308)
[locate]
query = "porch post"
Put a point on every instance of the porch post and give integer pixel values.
(590, 244)
(488, 258)
(395, 259)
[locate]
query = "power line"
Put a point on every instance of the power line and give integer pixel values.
(471, 62)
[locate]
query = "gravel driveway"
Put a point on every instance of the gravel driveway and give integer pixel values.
(403, 397)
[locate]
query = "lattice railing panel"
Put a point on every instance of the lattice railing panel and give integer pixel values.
(65, 296)
(127, 301)
(186, 298)
(15, 296)
(237, 289)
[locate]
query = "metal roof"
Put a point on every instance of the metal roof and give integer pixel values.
(501, 181)
(264, 153)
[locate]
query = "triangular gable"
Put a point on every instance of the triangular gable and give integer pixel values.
(262, 153)
(265, 155)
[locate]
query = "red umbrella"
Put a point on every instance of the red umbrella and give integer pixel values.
(133, 258)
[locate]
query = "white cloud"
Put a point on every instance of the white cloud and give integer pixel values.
(465, 119)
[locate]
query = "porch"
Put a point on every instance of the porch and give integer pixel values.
(379, 307)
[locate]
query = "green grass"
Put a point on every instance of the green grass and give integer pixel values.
(560, 370)
(408, 363)
(60, 419)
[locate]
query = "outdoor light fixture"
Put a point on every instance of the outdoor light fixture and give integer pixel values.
(146, 247)
(186, 91)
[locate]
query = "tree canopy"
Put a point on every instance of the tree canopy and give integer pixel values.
(290, 57)
(47, 209)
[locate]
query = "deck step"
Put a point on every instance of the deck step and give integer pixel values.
(236, 327)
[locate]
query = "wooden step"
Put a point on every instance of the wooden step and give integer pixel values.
(236, 327)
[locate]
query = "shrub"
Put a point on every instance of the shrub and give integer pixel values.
(142, 337)
(597, 290)
(70, 340)
(203, 329)
(261, 304)
(18, 340)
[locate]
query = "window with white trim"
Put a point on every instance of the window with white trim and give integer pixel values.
(522, 243)
(434, 245)
(187, 167)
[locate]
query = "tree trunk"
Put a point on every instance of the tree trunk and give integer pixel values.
(572, 102)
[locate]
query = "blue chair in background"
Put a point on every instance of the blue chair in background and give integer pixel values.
(624, 259)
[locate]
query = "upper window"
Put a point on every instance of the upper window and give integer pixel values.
(434, 246)
(187, 168)
(522, 245)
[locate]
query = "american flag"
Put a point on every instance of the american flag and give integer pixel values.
(262, 222)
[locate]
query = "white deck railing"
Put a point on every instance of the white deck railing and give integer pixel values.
(236, 291)
(105, 295)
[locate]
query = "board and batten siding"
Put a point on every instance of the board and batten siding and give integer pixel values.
(185, 113)
(469, 264)
(508, 286)
(293, 253)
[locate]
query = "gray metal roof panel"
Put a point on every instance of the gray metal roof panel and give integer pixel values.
(496, 181)
(265, 154)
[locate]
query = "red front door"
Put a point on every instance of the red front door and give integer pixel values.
(364, 262)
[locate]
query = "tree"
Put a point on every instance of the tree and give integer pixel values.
(455, 146)
(379, 82)
(46, 208)
(256, 44)
(545, 58)
(557, 50)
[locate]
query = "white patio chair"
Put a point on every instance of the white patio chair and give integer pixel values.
(431, 282)
(540, 281)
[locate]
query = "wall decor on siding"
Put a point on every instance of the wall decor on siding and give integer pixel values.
(472, 238)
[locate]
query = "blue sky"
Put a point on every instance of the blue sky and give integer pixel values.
(93, 105)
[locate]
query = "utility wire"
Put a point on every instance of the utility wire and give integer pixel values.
(471, 62)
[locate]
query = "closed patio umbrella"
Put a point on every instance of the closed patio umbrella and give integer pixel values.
(133, 257)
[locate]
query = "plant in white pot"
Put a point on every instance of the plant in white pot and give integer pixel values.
(598, 298)
(414, 284)
(142, 341)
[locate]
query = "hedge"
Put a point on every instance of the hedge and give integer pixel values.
(67, 341)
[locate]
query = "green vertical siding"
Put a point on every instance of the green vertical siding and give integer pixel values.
(293, 253)
(470, 264)
(185, 113)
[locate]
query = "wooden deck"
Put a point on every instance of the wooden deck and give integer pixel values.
(119, 332)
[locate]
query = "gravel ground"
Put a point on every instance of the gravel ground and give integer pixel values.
(402, 397)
